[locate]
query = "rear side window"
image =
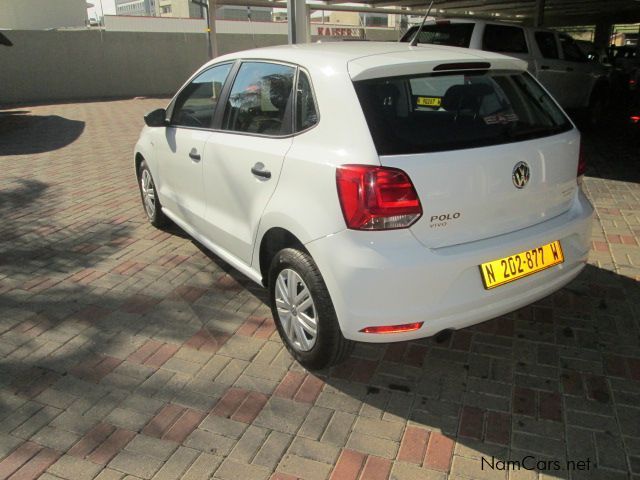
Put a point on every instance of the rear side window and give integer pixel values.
(547, 44)
(197, 102)
(453, 34)
(260, 99)
(504, 38)
(306, 110)
(571, 50)
(435, 112)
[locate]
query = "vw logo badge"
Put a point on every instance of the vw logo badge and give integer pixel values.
(520, 175)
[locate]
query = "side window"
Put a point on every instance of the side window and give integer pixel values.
(503, 38)
(196, 103)
(306, 112)
(259, 99)
(547, 44)
(571, 50)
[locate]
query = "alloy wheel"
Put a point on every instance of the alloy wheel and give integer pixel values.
(296, 310)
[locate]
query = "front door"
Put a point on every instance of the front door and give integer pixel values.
(181, 146)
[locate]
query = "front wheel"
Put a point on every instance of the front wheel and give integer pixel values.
(303, 311)
(149, 196)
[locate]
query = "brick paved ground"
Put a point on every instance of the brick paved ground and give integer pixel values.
(130, 352)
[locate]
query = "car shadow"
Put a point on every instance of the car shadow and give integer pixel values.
(45, 133)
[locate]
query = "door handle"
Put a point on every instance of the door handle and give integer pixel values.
(259, 171)
(569, 69)
(194, 155)
(544, 67)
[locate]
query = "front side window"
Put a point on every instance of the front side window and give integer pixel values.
(306, 112)
(260, 99)
(436, 112)
(547, 44)
(504, 38)
(571, 50)
(197, 102)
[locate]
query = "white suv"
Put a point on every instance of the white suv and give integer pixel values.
(554, 58)
(381, 192)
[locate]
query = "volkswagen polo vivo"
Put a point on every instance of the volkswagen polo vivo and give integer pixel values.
(381, 192)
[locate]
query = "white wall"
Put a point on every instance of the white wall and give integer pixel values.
(42, 14)
(121, 23)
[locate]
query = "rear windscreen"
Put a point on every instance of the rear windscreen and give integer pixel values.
(453, 34)
(436, 112)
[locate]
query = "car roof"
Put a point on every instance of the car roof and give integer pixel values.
(360, 56)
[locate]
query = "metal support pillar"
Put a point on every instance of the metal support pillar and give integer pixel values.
(538, 19)
(298, 19)
(602, 35)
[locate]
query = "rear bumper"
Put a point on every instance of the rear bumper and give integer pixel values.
(389, 278)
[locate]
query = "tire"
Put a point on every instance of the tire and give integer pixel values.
(148, 195)
(328, 347)
(596, 110)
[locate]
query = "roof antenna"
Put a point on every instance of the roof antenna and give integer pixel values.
(414, 40)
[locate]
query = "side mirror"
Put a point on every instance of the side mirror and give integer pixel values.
(157, 118)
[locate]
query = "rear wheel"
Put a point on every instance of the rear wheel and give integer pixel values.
(149, 196)
(303, 311)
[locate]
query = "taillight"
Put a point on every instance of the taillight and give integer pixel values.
(634, 118)
(582, 165)
(376, 198)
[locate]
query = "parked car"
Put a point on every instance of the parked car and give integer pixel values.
(553, 58)
(381, 192)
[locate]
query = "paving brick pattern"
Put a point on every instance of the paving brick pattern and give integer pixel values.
(129, 352)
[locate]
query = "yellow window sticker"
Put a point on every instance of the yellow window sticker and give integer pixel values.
(429, 101)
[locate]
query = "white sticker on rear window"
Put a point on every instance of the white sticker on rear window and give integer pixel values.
(501, 118)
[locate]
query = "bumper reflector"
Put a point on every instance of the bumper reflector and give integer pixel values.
(405, 327)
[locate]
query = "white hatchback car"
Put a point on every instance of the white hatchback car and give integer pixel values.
(381, 192)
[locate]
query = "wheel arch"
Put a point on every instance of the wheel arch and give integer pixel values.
(274, 240)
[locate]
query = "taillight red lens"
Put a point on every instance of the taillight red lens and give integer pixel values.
(376, 198)
(582, 162)
(634, 118)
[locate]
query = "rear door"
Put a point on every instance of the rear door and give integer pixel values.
(244, 156)
(492, 155)
(549, 69)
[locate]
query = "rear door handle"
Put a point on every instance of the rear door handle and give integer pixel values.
(569, 69)
(544, 67)
(194, 155)
(259, 171)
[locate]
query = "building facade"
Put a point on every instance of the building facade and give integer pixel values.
(147, 8)
(42, 14)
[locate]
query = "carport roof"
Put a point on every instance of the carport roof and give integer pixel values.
(556, 12)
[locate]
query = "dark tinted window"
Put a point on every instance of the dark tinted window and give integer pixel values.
(503, 38)
(428, 113)
(454, 34)
(547, 44)
(197, 102)
(571, 50)
(306, 112)
(259, 99)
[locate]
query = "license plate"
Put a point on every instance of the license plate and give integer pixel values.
(508, 269)
(429, 101)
